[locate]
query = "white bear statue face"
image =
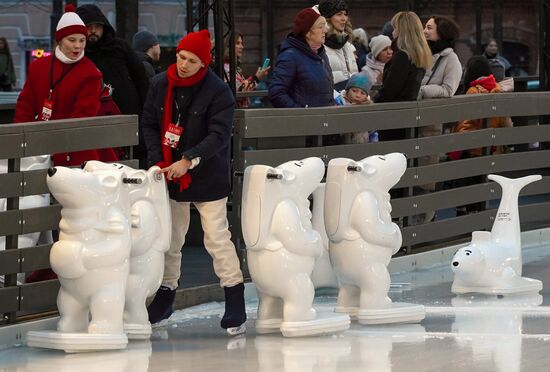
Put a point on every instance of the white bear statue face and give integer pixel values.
(468, 263)
(303, 176)
(75, 188)
(384, 171)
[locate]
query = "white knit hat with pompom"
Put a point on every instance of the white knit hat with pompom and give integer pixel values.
(70, 23)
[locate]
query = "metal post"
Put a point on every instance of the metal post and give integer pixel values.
(189, 16)
(223, 11)
(270, 9)
(218, 32)
(203, 14)
(57, 10)
(127, 13)
(479, 18)
(544, 52)
(231, 38)
(498, 33)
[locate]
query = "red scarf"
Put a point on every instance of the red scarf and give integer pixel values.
(175, 81)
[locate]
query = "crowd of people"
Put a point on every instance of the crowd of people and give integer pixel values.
(186, 113)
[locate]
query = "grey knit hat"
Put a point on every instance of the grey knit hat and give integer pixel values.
(144, 40)
(328, 8)
(378, 44)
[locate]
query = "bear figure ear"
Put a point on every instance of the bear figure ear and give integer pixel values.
(369, 169)
(288, 176)
(109, 181)
(143, 175)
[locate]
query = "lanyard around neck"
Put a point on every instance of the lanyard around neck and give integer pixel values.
(52, 84)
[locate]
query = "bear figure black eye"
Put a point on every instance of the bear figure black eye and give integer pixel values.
(467, 254)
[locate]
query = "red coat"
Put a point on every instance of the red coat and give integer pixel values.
(76, 96)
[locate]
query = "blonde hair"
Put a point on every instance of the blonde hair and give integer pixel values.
(317, 23)
(411, 38)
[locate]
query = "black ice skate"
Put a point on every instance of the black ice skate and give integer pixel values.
(235, 314)
(161, 308)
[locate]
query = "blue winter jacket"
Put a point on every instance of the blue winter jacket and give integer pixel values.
(301, 78)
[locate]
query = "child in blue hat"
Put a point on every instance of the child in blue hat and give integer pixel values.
(357, 93)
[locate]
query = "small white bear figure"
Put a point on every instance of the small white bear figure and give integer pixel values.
(282, 247)
(363, 237)
(151, 234)
(91, 256)
(491, 263)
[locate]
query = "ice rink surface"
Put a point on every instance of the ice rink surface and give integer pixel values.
(459, 333)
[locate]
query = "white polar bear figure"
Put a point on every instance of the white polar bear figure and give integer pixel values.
(323, 275)
(90, 259)
(282, 247)
(151, 234)
(30, 163)
(363, 237)
(491, 263)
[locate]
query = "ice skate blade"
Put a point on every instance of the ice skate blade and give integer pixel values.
(399, 312)
(76, 342)
(136, 331)
(264, 326)
(526, 285)
(234, 331)
(325, 323)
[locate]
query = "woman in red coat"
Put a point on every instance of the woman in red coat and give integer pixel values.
(64, 85)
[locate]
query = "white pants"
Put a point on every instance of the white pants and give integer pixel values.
(217, 240)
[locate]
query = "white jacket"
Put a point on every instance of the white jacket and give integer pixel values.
(445, 79)
(337, 59)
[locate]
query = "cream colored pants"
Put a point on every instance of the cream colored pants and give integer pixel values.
(217, 240)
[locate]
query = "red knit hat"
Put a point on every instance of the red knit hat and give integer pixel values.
(304, 21)
(197, 43)
(70, 23)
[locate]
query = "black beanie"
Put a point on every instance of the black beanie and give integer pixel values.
(328, 8)
(144, 40)
(476, 67)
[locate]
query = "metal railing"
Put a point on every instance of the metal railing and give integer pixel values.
(272, 137)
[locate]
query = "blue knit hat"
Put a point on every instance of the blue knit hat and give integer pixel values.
(361, 81)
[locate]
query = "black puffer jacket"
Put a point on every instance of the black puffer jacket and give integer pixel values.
(118, 62)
